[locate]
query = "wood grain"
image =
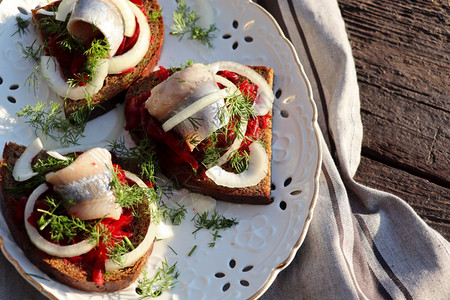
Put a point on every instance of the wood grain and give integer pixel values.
(402, 57)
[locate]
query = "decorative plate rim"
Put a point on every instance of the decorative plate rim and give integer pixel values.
(315, 124)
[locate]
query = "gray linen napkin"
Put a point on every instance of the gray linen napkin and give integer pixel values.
(362, 243)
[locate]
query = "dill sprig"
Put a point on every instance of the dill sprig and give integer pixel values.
(164, 280)
(62, 227)
(212, 152)
(155, 15)
(238, 108)
(48, 118)
(33, 53)
(22, 26)
(239, 160)
(120, 248)
(141, 155)
(181, 66)
(94, 52)
(186, 23)
(174, 215)
(215, 222)
(133, 196)
(41, 166)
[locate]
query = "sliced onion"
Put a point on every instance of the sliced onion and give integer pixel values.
(133, 256)
(44, 245)
(22, 169)
(135, 179)
(51, 72)
(194, 108)
(45, 12)
(132, 57)
(258, 166)
(265, 97)
(236, 144)
(64, 8)
(227, 83)
(127, 16)
(57, 155)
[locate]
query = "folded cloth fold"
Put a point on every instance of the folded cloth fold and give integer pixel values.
(362, 243)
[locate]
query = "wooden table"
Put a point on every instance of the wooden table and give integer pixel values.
(402, 55)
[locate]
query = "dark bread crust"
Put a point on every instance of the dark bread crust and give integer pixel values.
(59, 268)
(115, 85)
(183, 174)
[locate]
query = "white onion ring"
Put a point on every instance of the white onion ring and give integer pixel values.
(265, 97)
(227, 83)
(127, 16)
(132, 57)
(44, 245)
(51, 72)
(194, 108)
(133, 256)
(22, 168)
(236, 144)
(45, 12)
(64, 8)
(258, 166)
(57, 155)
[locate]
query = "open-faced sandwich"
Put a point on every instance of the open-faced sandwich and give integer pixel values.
(94, 49)
(211, 127)
(80, 218)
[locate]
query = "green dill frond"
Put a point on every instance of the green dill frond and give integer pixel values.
(61, 227)
(22, 26)
(142, 155)
(42, 167)
(33, 53)
(215, 223)
(238, 108)
(48, 118)
(50, 26)
(239, 161)
(155, 15)
(98, 50)
(120, 248)
(182, 66)
(164, 280)
(186, 23)
(174, 215)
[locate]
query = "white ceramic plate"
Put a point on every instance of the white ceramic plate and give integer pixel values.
(247, 258)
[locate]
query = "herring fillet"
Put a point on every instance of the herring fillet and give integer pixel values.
(85, 186)
(179, 91)
(89, 15)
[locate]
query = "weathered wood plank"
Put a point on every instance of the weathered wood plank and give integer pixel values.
(402, 56)
(429, 201)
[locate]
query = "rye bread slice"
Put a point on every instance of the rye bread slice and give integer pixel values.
(183, 174)
(115, 85)
(58, 268)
